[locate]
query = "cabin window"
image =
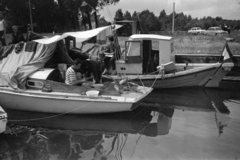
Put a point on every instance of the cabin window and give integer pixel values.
(35, 84)
(133, 48)
(155, 44)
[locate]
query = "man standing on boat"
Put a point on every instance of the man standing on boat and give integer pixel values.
(73, 77)
(3, 25)
(109, 60)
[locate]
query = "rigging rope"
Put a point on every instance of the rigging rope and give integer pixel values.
(42, 118)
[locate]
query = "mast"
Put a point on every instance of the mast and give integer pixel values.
(173, 17)
(30, 10)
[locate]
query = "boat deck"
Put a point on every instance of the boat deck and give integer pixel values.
(126, 96)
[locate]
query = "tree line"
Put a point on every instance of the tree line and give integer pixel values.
(49, 15)
(163, 22)
(65, 15)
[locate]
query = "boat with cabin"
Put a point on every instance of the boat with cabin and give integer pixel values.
(149, 60)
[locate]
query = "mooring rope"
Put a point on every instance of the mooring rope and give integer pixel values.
(156, 78)
(42, 118)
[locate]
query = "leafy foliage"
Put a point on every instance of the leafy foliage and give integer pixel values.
(127, 16)
(65, 15)
(150, 22)
(51, 14)
(119, 14)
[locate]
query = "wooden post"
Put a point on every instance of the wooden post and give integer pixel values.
(173, 17)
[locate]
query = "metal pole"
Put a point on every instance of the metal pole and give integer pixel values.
(173, 17)
(30, 10)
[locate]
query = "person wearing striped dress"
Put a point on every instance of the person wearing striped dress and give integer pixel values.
(72, 74)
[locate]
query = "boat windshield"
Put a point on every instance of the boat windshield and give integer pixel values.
(132, 48)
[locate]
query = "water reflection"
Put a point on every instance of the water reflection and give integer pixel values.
(195, 99)
(32, 135)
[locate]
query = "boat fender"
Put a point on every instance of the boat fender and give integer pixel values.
(47, 88)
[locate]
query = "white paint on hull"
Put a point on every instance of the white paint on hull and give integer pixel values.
(56, 102)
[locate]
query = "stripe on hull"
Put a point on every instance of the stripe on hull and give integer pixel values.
(179, 81)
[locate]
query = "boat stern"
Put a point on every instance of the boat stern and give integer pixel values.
(228, 66)
(218, 76)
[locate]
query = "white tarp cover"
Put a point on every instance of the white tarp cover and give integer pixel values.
(81, 36)
(16, 67)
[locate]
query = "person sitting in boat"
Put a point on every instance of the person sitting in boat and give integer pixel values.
(73, 77)
(17, 36)
(91, 67)
(109, 60)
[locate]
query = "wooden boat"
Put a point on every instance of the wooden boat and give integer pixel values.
(149, 60)
(3, 120)
(31, 80)
(209, 58)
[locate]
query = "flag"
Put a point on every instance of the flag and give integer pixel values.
(226, 52)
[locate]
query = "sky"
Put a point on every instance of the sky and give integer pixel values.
(227, 9)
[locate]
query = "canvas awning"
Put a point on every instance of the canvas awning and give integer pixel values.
(82, 36)
(15, 67)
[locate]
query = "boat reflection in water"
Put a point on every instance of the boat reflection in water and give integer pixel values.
(32, 135)
(195, 99)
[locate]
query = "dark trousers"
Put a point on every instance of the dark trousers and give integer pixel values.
(2, 39)
(108, 62)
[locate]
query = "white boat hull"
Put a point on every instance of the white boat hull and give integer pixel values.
(61, 103)
(205, 76)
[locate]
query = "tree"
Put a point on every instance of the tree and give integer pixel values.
(119, 15)
(149, 21)
(162, 18)
(17, 13)
(135, 16)
(127, 16)
(162, 14)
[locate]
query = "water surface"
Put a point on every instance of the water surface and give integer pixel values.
(170, 124)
